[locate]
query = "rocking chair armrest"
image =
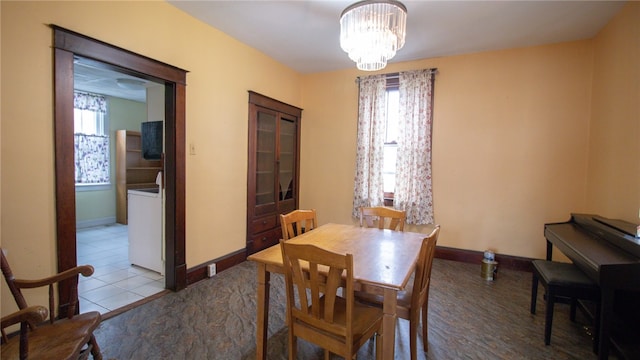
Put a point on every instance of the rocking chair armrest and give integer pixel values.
(32, 314)
(85, 270)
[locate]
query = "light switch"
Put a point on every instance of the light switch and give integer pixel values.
(192, 149)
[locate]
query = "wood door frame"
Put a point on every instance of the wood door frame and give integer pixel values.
(67, 45)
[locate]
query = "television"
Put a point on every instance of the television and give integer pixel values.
(151, 133)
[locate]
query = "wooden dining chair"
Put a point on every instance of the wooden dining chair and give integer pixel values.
(382, 218)
(336, 323)
(416, 299)
(298, 222)
(68, 336)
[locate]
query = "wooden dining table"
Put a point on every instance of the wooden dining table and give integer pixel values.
(383, 262)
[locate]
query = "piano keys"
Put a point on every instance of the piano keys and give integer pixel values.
(609, 253)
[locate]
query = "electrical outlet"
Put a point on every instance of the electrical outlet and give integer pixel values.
(211, 270)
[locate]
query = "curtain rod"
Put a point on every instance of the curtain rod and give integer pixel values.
(396, 75)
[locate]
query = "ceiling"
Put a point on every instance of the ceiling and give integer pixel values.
(304, 35)
(90, 78)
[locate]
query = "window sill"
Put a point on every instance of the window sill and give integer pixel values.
(93, 187)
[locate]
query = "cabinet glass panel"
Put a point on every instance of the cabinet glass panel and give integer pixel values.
(287, 158)
(265, 159)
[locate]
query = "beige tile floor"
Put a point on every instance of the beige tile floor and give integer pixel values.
(115, 282)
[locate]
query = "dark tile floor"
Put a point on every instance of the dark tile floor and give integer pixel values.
(469, 318)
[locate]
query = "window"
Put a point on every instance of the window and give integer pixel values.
(91, 140)
(393, 159)
(390, 144)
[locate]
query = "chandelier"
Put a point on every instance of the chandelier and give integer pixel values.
(372, 31)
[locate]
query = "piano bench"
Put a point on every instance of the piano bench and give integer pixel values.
(563, 280)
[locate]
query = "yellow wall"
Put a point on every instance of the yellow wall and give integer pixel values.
(614, 139)
(509, 144)
(221, 71)
(513, 145)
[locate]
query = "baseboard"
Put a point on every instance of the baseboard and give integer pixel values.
(475, 257)
(95, 222)
(199, 272)
(223, 263)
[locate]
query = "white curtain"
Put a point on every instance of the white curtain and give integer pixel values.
(413, 191)
(368, 185)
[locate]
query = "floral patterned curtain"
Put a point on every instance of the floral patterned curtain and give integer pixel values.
(368, 187)
(413, 191)
(92, 159)
(85, 101)
(91, 150)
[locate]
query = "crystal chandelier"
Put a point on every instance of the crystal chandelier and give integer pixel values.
(372, 31)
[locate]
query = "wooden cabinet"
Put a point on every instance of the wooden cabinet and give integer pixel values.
(273, 172)
(132, 171)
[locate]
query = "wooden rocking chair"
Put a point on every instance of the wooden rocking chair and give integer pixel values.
(70, 337)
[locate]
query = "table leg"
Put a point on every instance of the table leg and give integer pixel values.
(389, 309)
(262, 323)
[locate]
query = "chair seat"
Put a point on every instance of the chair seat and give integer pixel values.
(70, 334)
(363, 317)
(562, 274)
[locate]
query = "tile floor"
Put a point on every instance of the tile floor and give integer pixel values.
(115, 282)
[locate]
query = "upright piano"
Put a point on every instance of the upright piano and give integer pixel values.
(609, 253)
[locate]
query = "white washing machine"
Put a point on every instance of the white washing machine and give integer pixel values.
(145, 229)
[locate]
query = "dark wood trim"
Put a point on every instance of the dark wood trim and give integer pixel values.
(105, 53)
(273, 104)
(475, 257)
(65, 179)
(199, 272)
(67, 45)
(175, 197)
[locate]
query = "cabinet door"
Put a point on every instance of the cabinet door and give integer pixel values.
(266, 157)
(287, 161)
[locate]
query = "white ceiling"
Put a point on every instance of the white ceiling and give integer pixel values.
(304, 35)
(98, 80)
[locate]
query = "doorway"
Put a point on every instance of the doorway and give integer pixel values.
(110, 110)
(67, 46)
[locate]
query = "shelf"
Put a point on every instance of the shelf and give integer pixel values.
(132, 171)
(145, 168)
(144, 185)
